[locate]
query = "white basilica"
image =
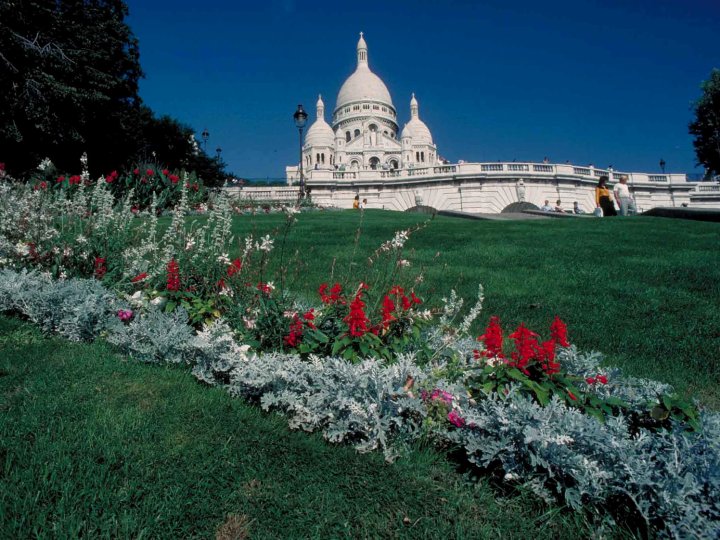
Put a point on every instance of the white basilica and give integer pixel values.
(364, 131)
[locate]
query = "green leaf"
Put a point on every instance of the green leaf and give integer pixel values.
(170, 306)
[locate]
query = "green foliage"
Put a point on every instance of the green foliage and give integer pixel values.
(706, 125)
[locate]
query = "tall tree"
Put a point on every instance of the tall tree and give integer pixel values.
(69, 72)
(706, 126)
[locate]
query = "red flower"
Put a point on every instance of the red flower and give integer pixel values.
(333, 297)
(136, 171)
(525, 347)
(149, 172)
(415, 299)
(221, 284)
(134, 209)
(590, 380)
(139, 277)
(111, 177)
(602, 379)
(100, 269)
(60, 179)
(406, 303)
(397, 290)
(493, 340)
(264, 288)
(387, 310)
(309, 317)
(558, 332)
(357, 320)
(173, 276)
(75, 179)
(174, 178)
(166, 172)
(234, 267)
(572, 396)
(43, 185)
(195, 187)
(295, 335)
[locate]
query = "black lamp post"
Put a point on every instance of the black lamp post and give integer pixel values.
(205, 136)
(218, 150)
(300, 118)
(662, 165)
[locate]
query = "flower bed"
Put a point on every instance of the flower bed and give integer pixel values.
(367, 363)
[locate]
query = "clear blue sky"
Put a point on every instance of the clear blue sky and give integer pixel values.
(598, 81)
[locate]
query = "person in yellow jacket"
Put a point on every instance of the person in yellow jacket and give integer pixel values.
(356, 202)
(603, 198)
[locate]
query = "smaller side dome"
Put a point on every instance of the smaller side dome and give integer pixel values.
(416, 128)
(320, 133)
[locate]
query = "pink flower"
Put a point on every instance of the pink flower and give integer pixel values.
(441, 395)
(455, 419)
(125, 314)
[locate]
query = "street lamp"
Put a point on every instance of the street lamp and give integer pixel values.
(218, 150)
(300, 118)
(205, 136)
(662, 165)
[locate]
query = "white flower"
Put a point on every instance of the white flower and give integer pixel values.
(22, 249)
(160, 301)
(225, 291)
(289, 314)
(270, 286)
(224, 259)
(45, 164)
(67, 252)
(425, 315)
(249, 323)
(403, 262)
(265, 245)
(190, 244)
(291, 210)
(63, 275)
(81, 239)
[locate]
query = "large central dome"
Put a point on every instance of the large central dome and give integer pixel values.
(363, 84)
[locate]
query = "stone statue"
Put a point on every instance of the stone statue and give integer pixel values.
(520, 187)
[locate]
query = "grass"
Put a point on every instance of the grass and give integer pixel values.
(644, 291)
(95, 446)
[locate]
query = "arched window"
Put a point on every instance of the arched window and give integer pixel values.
(417, 156)
(347, 136)
(322, 158)
(317, 158)
(374, 162)
(354, 164)
(373, 127)
(393, 164)
(422, 157)
(357, 133)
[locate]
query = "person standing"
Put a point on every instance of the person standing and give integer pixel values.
(356, 202)
(622, 196)
(603, 198)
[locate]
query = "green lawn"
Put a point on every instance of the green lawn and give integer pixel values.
(95, 446)
(644, 291)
